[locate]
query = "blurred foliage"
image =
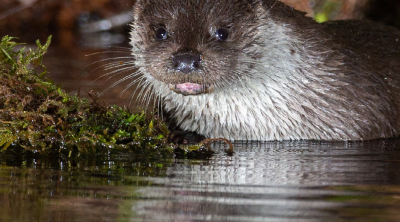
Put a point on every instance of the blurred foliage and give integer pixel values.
(326, 10)
(386, 11)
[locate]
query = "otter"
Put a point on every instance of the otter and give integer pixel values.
(261, 70)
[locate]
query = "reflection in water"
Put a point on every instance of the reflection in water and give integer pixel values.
(276, 181)
(297, 163)
(290, 181)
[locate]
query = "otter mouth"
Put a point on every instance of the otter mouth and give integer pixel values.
(190, 88)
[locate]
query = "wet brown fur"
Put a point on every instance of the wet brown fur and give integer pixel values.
(348, 88)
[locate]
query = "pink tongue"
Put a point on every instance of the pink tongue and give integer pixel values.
(189, 87)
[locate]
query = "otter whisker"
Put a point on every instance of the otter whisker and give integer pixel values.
(114, 65)
(148, 96)
(108, 52)
(124, 49)
(143, 92)
(114, 73)
(159, 104)
(118, 82)
(132, 96)
(132, 83)
(120, 70)
(141, 83)
(108, 59)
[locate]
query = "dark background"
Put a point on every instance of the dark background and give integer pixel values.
(65, 19)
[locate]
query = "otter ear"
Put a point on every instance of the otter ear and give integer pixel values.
(137, 9)
(257, 5)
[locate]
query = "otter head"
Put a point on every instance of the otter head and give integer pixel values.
(195, 46)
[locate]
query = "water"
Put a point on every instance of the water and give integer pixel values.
(275, 181)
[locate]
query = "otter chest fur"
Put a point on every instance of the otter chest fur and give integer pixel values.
(260, 70)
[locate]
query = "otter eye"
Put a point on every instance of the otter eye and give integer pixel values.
(161, 33)
(222, 34)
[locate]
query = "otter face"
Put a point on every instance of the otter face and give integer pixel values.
(195, 46)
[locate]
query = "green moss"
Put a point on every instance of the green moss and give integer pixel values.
(38, 115)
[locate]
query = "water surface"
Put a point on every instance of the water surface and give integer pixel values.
(275, 181)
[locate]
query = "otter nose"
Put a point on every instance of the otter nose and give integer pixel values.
(186, 62)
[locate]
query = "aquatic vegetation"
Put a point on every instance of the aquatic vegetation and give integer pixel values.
(38, 115)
